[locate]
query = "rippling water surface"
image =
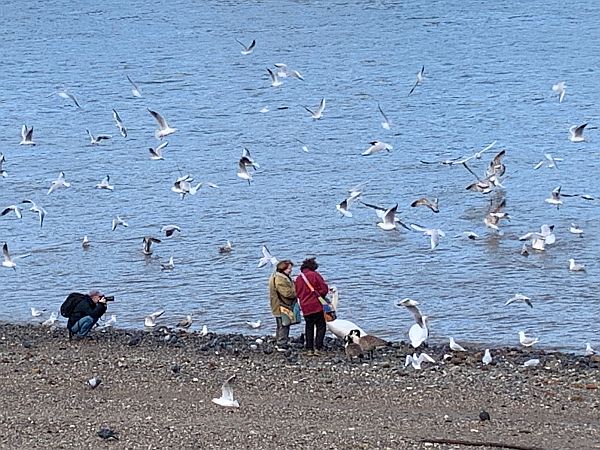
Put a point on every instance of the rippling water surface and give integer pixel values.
(489, 72)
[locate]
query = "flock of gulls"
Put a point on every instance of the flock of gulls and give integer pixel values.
(389, 221)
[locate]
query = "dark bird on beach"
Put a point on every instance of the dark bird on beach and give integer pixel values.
(94, 382)
(106, 433)
(484, 415)
(351, 349)
(135, 340)
(367, 343)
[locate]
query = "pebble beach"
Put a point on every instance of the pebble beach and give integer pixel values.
(156, 390)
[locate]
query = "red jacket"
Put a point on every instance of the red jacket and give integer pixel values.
(309, 301)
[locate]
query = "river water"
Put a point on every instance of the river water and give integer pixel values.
(489, 71)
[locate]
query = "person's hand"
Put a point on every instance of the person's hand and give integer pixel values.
(102, 300)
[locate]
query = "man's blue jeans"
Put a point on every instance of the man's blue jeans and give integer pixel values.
(83, 326)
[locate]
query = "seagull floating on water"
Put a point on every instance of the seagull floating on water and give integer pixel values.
(226, 249)
(36, 312)
(576, 230)
(104, 184)
(574, 267)
(169, 265)
(254, 324)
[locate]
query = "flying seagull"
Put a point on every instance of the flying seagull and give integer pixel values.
(317, 113)
(119, 123)
(118, 221)
(37, 209)
(420, 76)
(95, 140)
(226, 398)
(275, 81)
(156, 153)
(247, 49)
(26, 136)
(386, 124)
(58, 183)
(68, 96)
(560, 88)
(576, 133)
(163, 127)
(267, 258)
(8, 260)
(134, 89)
(148, 241)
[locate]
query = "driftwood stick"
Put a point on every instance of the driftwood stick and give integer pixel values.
(479, 444)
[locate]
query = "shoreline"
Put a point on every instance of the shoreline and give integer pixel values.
(157, 394)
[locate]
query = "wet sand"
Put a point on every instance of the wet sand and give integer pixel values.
(157, 394)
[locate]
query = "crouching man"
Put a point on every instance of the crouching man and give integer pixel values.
(85, 310)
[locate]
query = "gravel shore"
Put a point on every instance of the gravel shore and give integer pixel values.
(156, 390)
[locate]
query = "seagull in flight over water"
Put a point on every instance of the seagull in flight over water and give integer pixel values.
(317, 113)
(134, 89)
(163, 127)
(420, 77)
(247, 49)
(26, 136)
(37, 209)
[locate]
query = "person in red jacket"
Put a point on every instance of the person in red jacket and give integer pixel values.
(309, 286)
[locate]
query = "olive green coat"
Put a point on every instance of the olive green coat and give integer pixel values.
(281, 292)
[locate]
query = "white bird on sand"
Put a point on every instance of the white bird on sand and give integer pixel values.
(275, 81)
(589, 351)
(267, 258)
(163, 127)
(109, 323)
(95, 140)
(317, 113)
(254, 324)
(386, 124)
(576, 133)
(156, 153)
(376, 147)
(527, 341)
(226, 398)
(487, 357)
(14, 208)
(574, 267)
(94, 382)
(36, 209)
(105, 184)
(247, 49)
(58, 183)
(119, 123)
(433, 233)
(560, 88)
(85, 243)
(455, 347)
(150, 320)
(531, 362)
(68, 96)
(417, 361)
(36, 312)
(185, 322)
(8, 260)
(26, 136)
(118, 221)
(204, 331)
(135, 90)
(169, 265)
(519, 298)
(51, 320)
(420, 77)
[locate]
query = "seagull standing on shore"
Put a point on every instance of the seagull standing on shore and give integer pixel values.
(527, 341)
(417, 361)
(226, 398)
(51, 320)
(487, 357)
(26, 136)
(455, 347)
(163, 127)
(38, 312)
(419, 332)
(150, 320)
(186, 322)
(589, 351)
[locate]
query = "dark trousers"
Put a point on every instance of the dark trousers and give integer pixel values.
(311, 321)
(283, 333)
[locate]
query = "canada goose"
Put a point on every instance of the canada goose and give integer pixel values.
(352, 349)
(367, 343)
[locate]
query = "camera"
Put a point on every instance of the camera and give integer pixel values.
(109, 298)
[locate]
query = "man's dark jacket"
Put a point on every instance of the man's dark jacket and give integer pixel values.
(86, 307)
